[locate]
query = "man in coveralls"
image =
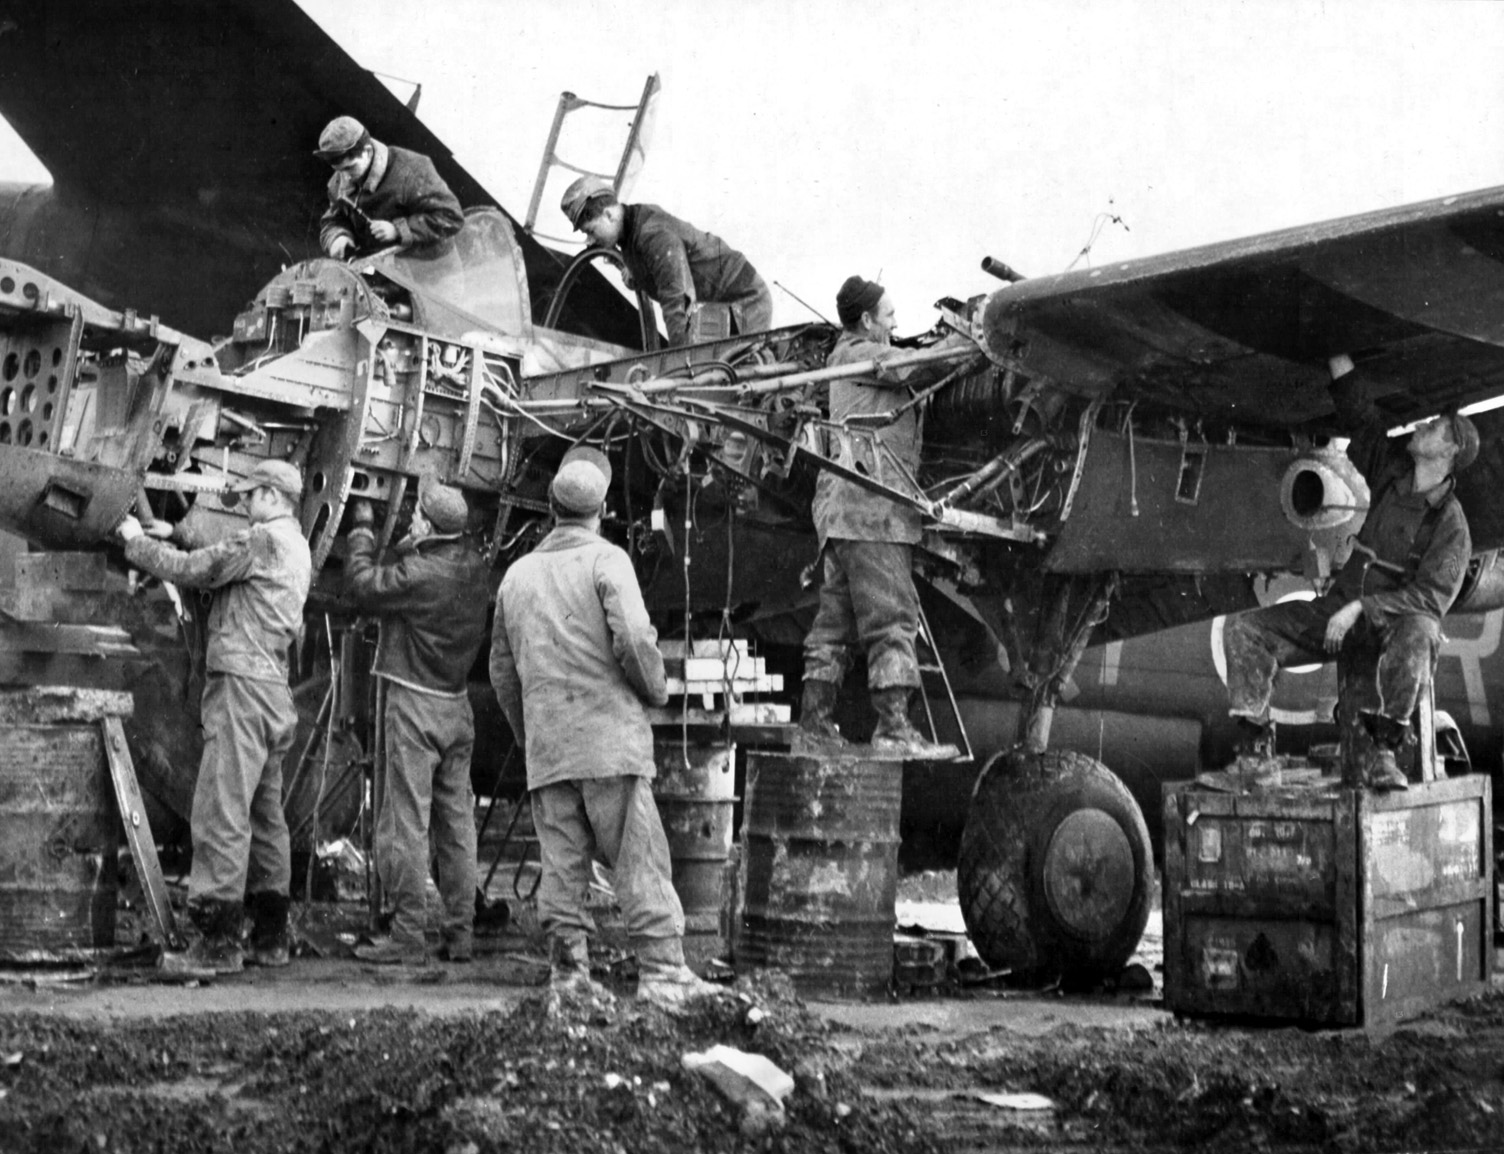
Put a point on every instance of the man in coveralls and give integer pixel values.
(670, 259)
(1403, 574)
(867, 593)
(241, 851)
(433, 600)
(574, 661)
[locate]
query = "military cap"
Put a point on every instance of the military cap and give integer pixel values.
(581, 193)
(580, 485)
(1465, 436)
(279, 475)
(443, 505)
(341, 136)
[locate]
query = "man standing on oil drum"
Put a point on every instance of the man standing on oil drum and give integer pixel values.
(1404, 572)
(574, 661)
(432, 598)
(381, 195)
(867, 593)
(241, 851)
(669, 259)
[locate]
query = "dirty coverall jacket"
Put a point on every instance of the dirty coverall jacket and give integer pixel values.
(433, 603)
(1394, 528)
(677, 264)
(841, 508)
(402, 187)
(260, 576)
(574, 660)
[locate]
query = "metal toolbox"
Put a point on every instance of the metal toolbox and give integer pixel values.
(1325, 904)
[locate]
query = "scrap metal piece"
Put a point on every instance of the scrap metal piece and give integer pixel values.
(138, 831)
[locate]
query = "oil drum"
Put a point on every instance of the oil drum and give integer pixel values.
(695, 792)
(59, 834)
(819, 870)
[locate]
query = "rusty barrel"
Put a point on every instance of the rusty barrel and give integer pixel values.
(59, 833)
(695, 792)
(819, 872)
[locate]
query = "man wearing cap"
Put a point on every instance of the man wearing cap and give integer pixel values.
(260, 579)
(867, 593)
(574, 660)
(1388, 599)
(432, 598)
(669, 259)
(381, 195)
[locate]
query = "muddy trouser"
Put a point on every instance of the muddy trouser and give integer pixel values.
(867, 597)
(753, 313)
(429, 740)
(239, 829)
(1262, 641)
(617, 817)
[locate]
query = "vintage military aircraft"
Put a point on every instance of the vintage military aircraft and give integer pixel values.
(1118, 450)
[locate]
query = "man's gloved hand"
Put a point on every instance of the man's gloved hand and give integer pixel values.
(161, 530)
(383, 231)
(129, 528)
(341, 247)
(361, 514)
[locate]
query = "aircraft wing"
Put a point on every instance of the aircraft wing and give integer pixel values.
(1243, 329)
(197, 118)
(1240, 333)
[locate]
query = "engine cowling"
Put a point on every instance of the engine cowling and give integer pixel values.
(1322, 490)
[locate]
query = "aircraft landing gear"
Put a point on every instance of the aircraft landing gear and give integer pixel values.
(1055, 871)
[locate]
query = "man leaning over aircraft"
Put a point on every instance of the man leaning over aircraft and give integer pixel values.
(381, 195)
(260, 579)
(671, 260)
(1404, 573)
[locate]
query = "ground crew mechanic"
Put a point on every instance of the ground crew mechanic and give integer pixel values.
(433, 599)
(381, 195)
(1403, 575)
(574, 660)
(240, 842)
(867, 593)
(669, 259)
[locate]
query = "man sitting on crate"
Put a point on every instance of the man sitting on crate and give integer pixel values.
(574, 661)
(1404, 572)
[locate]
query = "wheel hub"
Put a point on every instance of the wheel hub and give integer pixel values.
(1089, 873)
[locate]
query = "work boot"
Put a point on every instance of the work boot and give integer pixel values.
(394, 952)
(1382, 772)
(217, 948)
(458, 946)
(817, 728)
(271, 939)
(1381, 769)
(664, 980)
(896, 734)
(569, 980)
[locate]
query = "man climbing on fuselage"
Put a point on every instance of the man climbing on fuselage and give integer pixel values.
(671, 260)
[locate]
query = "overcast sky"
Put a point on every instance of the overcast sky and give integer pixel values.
(908, 139)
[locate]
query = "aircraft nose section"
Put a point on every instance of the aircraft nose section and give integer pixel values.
(1323, 491)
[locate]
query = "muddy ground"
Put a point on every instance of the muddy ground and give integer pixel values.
(331, 1055)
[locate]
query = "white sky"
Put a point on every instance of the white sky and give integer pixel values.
(910, 139)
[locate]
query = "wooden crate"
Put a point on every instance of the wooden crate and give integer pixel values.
(1325, 904)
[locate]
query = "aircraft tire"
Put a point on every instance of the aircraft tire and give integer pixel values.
(1055, 869)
